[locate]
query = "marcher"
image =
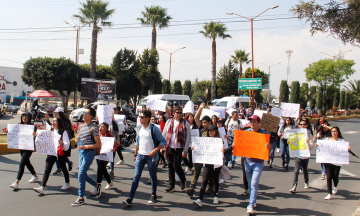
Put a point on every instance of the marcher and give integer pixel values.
(121, 135)
(25, 118)
(193, 126)
(324, 133)
(58, 128)
(231, 125)
(148, 142)
(284, 146)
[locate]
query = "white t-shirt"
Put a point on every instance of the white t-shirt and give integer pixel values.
(145, 144)
(176, 122)
(65, 139)
(233, 125)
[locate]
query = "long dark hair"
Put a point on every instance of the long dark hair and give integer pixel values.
(338, 129)
(64, 119)
(291, 122)
(322, 133)
(61, 126)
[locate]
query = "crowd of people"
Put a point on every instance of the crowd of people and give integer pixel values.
(165, 138)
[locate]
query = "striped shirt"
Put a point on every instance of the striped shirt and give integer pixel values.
(85, 135)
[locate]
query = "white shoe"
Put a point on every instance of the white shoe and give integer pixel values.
(33, 179)
(108, 165)
(66, 186)
(301, 172)
(40, 190)
(188, 171)
(334, 191)
(277, 150)
(197, 202)
(216, 200)
(109, 186)
(93, 192)
(222, 181)
(306, 186)
(177, 178)
(328, 197)
(120, 162)
(323, 176)
(250, 209)
(15, 185)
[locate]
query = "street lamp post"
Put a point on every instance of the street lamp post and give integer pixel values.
(252, 43)
(268, 96)
(170, 58)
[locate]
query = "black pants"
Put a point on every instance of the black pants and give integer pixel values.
(332, 174)
(246, 185)
(209, 171)
(161, 157)
(118, 150)
(304, 163)
(196, 175)
(174, 161)
(25, 161)
(102, 171)
(188, 162)
(50, 160)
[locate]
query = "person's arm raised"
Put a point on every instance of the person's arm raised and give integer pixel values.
(198, 114)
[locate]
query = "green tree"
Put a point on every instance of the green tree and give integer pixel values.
(155, 16)
(319, 98)
(177, 87)
(295, 92)
(312, 95)
(304, 95)
(336, 99)
(347, 99)
(227, 80)
(200, 90)
(240, 57)
(187, 88)
(94, 12)
(257, 74)
(339, 18)
(284, 92)
(166, 87)
(214, 30)
(51, 73)
(354, 87)
(342, 99)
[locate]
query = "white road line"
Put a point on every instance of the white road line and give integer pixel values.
(321, 184)
(344, 172)
(350, 132)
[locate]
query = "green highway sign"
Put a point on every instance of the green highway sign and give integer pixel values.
(249, 83)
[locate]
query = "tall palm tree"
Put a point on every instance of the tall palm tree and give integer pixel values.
(240, 57)
(155, 16)
(214, 30)
(94, 12)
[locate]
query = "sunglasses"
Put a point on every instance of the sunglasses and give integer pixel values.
(178, 113)
(85, 113)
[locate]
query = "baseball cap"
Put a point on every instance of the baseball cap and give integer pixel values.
(59, 109)
(213, 127)
(255, 117)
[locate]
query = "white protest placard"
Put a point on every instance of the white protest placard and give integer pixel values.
(210, 113)
(207, 150)
(222, 134)
(119, 117)
(276, 112)
(47, 142)
(231, 102)
(194, 133)
(219, 109)
(20, 136)
(119, 121)
(159, 105)
(107, 144)
(230, 111)
(105, 113)
(334, 152)
(245, 123)
(189, 107)
(259, 113)
(108, 156)
(290, 110)
(297, 143)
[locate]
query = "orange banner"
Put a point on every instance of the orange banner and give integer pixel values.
(251, 144)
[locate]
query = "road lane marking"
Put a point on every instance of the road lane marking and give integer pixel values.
(344, 172)
(350, 132)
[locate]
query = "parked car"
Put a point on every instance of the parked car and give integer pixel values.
(12, 108)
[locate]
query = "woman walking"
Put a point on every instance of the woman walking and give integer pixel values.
(324, 133)
(284, 146)
(188, 162)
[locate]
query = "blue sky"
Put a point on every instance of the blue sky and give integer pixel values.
(274, 32)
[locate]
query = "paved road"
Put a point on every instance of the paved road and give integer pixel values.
(273, 198)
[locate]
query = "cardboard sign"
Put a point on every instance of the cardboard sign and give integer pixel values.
(210, 113)
(20, 136)
(158, 105)
(251, 144)
(207, 150)
(259, 113)
(290, 110)
(219, 109)
(47, 142)
(297, 143)
(107, 144)
(105, 113)
(335, 152)
(189, 107)
(270, 123)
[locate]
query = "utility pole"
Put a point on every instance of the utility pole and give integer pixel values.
(170, 58)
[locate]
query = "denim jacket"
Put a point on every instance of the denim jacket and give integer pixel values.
(158, 136)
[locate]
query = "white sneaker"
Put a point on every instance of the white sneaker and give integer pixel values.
(188, 171)
(277, 150)
(93, 192)
(334, 191)
(33, 179)
(120, 162)
(216, 200)
(328, 197)
(15, 185)
(306, 186)
(250, 209)
(222, 181)
(66, 186)
(301, 172)
(109, 186)
(323, 176)
(177, 178)
(108, 165)
(197, 202)
(40, 190)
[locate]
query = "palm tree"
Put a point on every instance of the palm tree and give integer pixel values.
(155, 16)
(240, 57)
(354, 88)
(94, 12)
(214, 30)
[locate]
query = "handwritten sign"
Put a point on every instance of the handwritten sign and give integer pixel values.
(207, 150)
(159, 105)
(297, 143)
(119, 119)
(222, 134)
(47, 142)
(219, 109)
(290, 109)
(107, 144)
(335, 152)
(105, 113)
(194, 133)
(251, 144)
(245, 123)
(189, 107)
(270, 123)
(108, 156)
(20, 136)
(276, 112)
(210, 113)
(259, 113)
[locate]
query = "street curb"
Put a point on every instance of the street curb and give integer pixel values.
(357, 211)
(336, 118)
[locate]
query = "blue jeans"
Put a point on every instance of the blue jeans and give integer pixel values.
(323, 168)
(86, 158)
(140, 162)
(253, 172)
(272, 150)
(58, 166)
(233, 158)
(284, 151)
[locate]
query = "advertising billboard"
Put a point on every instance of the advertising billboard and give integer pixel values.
(96, 89)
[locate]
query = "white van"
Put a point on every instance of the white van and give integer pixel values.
(246, 101)
(180, 99)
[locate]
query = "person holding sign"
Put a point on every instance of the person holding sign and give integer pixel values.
(193, 126)
(231, 125)
(323, 134)
(25, 118)
(284, 146)
(58, 128)
(210, 170)
(254, 166)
